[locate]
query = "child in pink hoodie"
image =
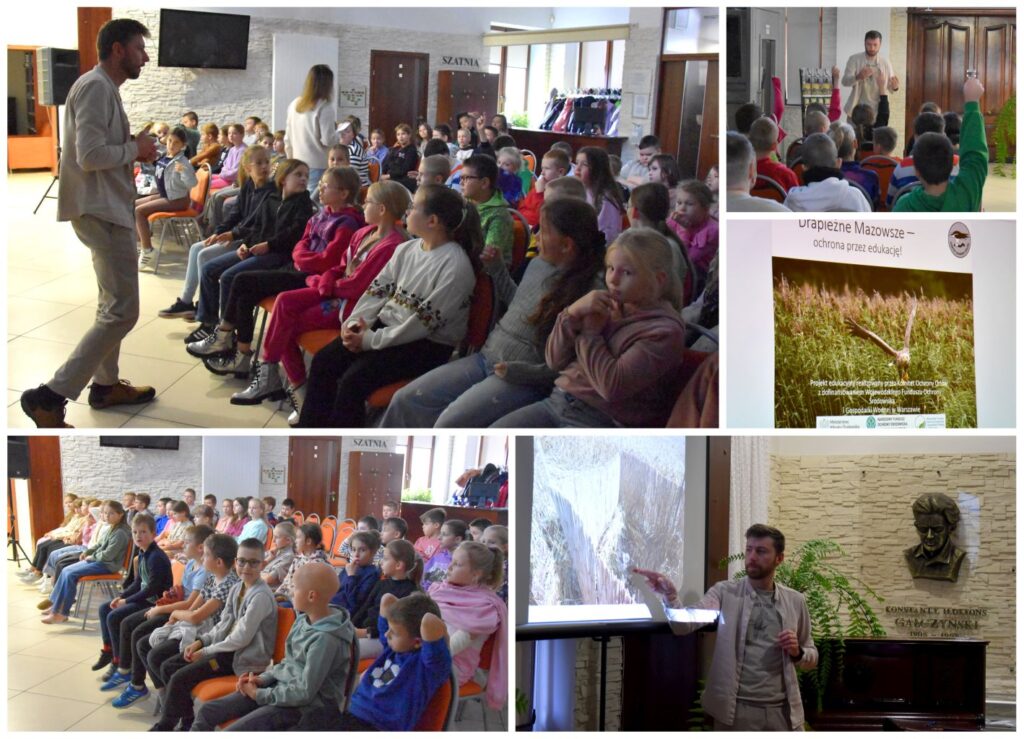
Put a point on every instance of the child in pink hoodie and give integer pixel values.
(618, 350)
(473, 613)
(694, 225)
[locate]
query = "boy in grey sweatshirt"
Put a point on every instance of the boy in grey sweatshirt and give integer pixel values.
(242, 641)
(309, 683)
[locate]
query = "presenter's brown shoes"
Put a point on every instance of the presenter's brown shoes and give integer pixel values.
(45, 408)
(123, 393)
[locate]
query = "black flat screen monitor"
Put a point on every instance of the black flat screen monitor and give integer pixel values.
(140, 442)
(204, 40)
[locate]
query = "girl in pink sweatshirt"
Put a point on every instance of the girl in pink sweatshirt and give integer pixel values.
(693, 224)
(618, 350)
(474, 614)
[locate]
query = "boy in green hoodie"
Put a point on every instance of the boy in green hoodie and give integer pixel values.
(933, 162)
(309, 681)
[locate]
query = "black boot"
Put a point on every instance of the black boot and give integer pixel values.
(105, 659)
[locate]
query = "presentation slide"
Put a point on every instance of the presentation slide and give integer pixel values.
(870, 325)
(601, 506)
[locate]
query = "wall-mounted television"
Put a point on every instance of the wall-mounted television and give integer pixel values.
(140, 442)
(205, 40)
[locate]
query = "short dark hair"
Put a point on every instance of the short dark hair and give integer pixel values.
(929, 122)
(886, 137)
(118, 31)
(144, 497)
(145, 520)
(398, 524)
(435, 515)
(503, 140)
(252, 543)
(223, 547)
(371, 521)
(745, 115)
(444, 129)
(180, 507)
(394, 504)
(203, 510)
(483, 166)
(312, 532)
(370, 538)
(872, 35)
(491, 128)
(457, 527)
(937, 503)
(649, 141)
(165, 501)
(435, 146)
(933, 158)
(409, 611)
(192, 116)
(761, 531)
(210, 496)
(288, 502)
(199, 534)
(951, 123)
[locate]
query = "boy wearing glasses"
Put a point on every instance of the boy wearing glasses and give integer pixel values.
(242, 642)
(479, 186)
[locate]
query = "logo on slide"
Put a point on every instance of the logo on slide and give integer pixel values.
(871, 422)
(959, 238)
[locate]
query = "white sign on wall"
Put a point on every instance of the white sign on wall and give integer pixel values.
(352, 97)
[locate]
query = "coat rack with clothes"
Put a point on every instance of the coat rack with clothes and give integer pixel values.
(591, 111)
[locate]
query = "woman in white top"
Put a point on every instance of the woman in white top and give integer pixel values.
(312, 118)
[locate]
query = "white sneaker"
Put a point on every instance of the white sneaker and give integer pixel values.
(147, 257)
(46, 585)
(32, 579)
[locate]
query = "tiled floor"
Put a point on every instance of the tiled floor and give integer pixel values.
(51, 299)
(51, 688)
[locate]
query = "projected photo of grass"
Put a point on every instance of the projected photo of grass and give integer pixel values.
(857, 340)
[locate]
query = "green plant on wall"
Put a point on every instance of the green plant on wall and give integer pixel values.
(519, 120)
(840, 605)
(1005, 136)
(421, 495)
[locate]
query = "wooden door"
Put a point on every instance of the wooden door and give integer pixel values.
(34, 146)
(458, 92)
(45, 486)
(314, 469)
(373, 477)
(686, 120)
(398, 89)
(944, 46)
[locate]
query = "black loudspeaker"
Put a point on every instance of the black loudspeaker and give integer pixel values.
(17, 457)
(57, 70)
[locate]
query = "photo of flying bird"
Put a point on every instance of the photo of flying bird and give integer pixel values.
(901, 357)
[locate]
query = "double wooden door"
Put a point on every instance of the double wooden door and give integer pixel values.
(398, 90)
(944, 46)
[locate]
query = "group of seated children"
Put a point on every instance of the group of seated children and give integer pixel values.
(589, 328)
(850, 166)
(221, 618)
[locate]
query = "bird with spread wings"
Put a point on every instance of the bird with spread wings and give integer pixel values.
(901, 357)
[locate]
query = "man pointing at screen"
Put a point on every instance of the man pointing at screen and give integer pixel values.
(764, 634)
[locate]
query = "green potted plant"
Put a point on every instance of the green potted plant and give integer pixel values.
(423, 495)
(1005, 136)
(840, 605)
(525, 717)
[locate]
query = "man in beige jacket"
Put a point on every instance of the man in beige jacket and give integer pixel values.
(97, 194)
(764, 634)
(865, 72)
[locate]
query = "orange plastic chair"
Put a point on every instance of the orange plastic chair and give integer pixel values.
(883, 166)
(373, 169)
(298, 518)
(472, 691)
(313, 518)
(218, 687)
(177, 572)
(439, 715)
(344, 531)
(798, 169)
(108, 582)
(531, 160)
(766, 187)
(520, 239)
(180, 220)
(328, 533)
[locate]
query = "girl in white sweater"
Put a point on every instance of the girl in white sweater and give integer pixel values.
(310, 129)
(411, 317)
